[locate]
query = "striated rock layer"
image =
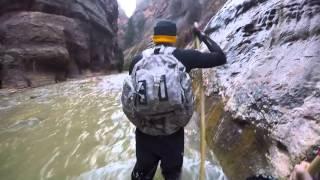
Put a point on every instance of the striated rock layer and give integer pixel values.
(272, 79)
(46, 41)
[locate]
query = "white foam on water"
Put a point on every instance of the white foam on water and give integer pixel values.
(122, 171)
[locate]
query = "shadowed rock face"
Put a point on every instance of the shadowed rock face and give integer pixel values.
(272, 79)
(122, 23)
(183, 12)
(46, 41)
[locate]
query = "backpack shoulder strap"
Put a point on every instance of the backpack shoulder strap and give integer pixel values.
(165, 49)
(158, 50)
(168, 50)
(147, 52)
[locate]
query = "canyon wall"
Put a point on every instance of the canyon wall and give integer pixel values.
(47, 41)
(183, 12)
(270, 87)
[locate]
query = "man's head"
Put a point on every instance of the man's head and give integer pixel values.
(165, 32)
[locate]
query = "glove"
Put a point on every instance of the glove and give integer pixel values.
(197, 32)
(300, 172)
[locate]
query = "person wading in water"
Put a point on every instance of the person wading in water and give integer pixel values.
(158, 99)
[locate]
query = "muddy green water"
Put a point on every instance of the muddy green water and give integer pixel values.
(76, 130)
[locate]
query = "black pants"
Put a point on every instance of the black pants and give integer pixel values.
(152, 149)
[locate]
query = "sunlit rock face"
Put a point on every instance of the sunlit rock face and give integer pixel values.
(46, 41)
(272, 79)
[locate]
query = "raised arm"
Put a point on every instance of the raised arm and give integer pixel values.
(195, 59)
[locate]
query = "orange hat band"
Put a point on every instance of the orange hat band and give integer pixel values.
(164, 39)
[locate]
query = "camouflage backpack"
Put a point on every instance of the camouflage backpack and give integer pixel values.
(158, 97)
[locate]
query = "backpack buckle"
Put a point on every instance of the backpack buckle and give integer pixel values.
(157, 80)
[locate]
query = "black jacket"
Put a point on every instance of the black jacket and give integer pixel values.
(194, 59)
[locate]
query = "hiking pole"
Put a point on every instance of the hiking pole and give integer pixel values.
(202, 116)
(315, 165)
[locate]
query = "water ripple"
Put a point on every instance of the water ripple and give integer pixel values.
(82, 133)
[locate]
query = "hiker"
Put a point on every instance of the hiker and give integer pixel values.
(158, 99)
(307, 171)
(300, 172)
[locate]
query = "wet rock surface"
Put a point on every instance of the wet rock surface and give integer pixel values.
(43, 42)
(272, 79)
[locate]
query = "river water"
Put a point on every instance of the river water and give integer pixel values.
(76, 130)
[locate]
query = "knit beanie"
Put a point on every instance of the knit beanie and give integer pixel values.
(165, 32)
